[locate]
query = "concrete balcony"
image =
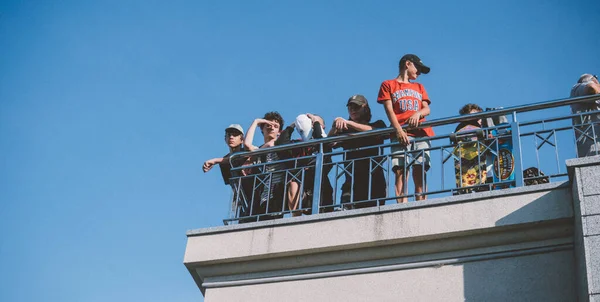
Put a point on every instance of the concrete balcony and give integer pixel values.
(535, 243)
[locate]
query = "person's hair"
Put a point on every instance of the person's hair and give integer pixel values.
(586, 77)
(402, 65)
(273, 116)
(466, 109)
(365, 115)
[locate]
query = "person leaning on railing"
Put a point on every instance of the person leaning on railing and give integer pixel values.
(309, 126)
(359, 120)
(234, 136)
(407, 103)
(588, 143)
(270, 199)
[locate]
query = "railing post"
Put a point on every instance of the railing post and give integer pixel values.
(516, 140)
(317, 186)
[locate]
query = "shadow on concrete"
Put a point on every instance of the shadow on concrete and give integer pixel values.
(524, 271)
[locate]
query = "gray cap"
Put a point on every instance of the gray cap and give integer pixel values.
(586, 77)
(236, 127)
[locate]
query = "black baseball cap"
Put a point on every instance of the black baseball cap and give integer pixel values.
(357, 99)
(417, 61)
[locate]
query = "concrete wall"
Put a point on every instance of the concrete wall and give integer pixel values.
(538, 277)
(584, 173)
(514, 244)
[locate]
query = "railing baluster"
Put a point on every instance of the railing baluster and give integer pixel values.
(556, 150)
(317, 186)
(516, 139)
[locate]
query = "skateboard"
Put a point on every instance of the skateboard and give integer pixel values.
(503, 162)
(501, 165)
(470, 159)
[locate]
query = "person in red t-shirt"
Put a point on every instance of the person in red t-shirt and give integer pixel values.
(407, 103)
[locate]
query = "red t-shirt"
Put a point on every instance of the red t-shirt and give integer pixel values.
(407, 98)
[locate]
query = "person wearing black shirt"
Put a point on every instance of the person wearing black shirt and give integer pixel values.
(355, 190)
(234, 136)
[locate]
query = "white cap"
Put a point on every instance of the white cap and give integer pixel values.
(236, 127)
(304, 127)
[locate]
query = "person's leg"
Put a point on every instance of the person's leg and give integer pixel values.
(378, 186)
(326, 193)
(419, 170)
(360, 187)
(346, 197)
(401, 182)
(587, 139)
(293, 196)
(420, 184)
(399, 168)
(276, 203)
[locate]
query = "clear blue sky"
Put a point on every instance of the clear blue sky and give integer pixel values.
(109, 108)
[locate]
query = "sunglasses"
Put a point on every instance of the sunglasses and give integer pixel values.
(232, 133)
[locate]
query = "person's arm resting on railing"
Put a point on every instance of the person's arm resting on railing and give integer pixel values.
(353, 125)
(414, 119)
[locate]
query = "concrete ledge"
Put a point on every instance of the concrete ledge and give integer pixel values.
(583, 161)
(380, 266)
(381, 227)
(473, 197)
(457, 249)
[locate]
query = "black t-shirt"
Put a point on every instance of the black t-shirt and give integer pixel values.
(363, 142)
(226, 166)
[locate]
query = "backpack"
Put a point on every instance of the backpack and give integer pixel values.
(533, 176)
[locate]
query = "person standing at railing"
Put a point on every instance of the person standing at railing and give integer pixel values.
(587, 136)
(470, 161)
(356, 189)
(234, 137)
(309, 126)
(271, 197)
(407, 103)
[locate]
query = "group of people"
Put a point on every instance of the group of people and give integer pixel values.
(405, 103)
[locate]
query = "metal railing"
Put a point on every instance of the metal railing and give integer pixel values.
(262, 189)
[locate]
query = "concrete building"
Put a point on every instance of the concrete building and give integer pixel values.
(534, 243)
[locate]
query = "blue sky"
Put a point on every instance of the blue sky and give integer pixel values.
(109, 108)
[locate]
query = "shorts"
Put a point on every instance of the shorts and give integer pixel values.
(399, 159)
